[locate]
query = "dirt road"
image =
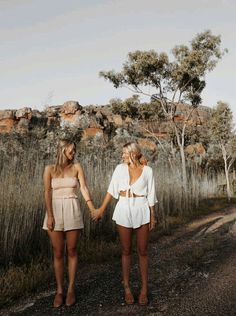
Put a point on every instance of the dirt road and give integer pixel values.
(192, 272)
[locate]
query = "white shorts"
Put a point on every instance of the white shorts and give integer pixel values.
(132, 212)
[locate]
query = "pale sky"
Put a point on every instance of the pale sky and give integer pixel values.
(52, 51)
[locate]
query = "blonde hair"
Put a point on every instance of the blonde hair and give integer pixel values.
(135, 153)
(61, 158)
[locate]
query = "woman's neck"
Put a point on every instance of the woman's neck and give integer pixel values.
(134, 165)
(67, 165)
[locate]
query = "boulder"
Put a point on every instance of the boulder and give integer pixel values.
(71, 107)
(22, 126)
(51, 120)
(6, 114)
(6, 125)
(92, 132)
(94, 123)
(117, 119)
(24, 113)
(128, 120)
(52, 111)
(99, 115)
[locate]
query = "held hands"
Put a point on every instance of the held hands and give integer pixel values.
(96, 214)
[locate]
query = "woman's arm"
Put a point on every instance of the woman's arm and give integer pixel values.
(83, 187)
(152, 199)
(48, 197)
(113, 191)
(98, 213)
(152, 218)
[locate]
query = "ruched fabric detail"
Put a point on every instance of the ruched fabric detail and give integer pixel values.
(65, 205)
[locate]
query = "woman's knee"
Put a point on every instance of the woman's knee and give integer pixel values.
(58, 253)
(71, 252)
(126, 251)
(142, 252)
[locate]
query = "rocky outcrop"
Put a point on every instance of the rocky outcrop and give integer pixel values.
(96, 124)
(72, 114)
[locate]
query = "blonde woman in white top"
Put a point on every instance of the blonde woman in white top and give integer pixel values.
(133, 184)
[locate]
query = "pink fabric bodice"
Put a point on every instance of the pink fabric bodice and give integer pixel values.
(64, 187)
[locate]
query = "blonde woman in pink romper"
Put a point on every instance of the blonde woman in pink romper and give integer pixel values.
(63, 220)
(133, 184)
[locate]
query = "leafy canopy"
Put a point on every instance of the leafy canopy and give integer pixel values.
(221, 124)
(182, 79)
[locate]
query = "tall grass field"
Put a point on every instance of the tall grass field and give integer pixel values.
(22, 239)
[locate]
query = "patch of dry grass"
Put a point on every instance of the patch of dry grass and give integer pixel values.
(20, 281)
(93, 251)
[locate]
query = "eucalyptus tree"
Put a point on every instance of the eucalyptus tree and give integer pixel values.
(223, 138)
(171, 81)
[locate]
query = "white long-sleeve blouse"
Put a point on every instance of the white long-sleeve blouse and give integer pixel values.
(144, 185)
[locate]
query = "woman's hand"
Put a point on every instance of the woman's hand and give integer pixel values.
(152, 223)
(50, 223)
(96, 214)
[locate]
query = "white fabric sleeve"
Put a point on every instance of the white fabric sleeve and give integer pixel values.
(113, 188)
(151, 197)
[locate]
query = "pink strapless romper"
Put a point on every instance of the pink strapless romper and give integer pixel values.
(65, 205)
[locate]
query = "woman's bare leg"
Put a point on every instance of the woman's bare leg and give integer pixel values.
(71, 245)
(142, 234)
(125, 235)
(57, 240)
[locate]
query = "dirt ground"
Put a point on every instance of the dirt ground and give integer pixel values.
(191, 272)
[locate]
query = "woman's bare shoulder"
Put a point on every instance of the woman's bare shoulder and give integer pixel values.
(49, 168)
(77, 165)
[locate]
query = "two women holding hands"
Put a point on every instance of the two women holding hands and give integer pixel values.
(132, 183)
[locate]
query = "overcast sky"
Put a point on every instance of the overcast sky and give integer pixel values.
(52, 51)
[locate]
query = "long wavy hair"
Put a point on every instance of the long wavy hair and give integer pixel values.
(135, 153)
(61, 158)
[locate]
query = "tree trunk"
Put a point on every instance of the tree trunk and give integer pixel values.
(229, 193)
(184, 173)
(183, 160)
